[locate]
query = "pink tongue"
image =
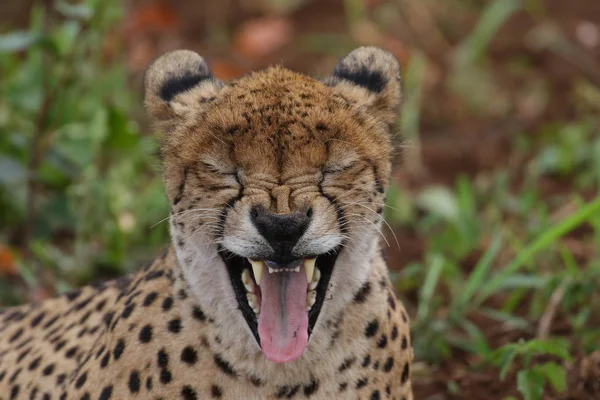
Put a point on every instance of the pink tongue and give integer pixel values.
(283, 319)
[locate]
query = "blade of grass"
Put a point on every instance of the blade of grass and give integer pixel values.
(540, 243)
(478, 276)
(431, 280)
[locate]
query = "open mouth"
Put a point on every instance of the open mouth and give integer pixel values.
(280, 301)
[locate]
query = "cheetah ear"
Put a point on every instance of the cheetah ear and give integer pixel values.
(177, 84)
(370, 78)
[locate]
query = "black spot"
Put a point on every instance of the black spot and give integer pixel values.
(343, 386)
(71, 352)
(146, 334)
(106, 393)
(375, 395)
(167, 303)
(391, 301)
(311, 388)
(35, 363)
(182, 83)
(149, 383)
(198, 314)
(154, 275)
(366, 361)
(162, 358)
(36, 321)
(149, 299)
(189, 355)
(382, 342)
(48, 370)
(363, 293)
(81, 380)
(373, 81)
(389, 364)
(372, 328)
(105, 360)
(128, 310)
(119, 348)
(224, 366)
(86, 396)
(256, 381)
(16, 335)
(175, 326)
(404, 342)
(405, 373)
(60, 379)
(165, 376)
(347, 363)
(216, 391)
(187, 393)
(362, 383)
(394, 334)
(14, 392)
(134, 382)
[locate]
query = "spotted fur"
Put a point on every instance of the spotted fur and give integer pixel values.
(174, 330)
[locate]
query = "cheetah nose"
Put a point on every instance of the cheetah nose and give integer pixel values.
(282, 231)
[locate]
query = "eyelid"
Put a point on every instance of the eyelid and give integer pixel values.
(217, 170)
(339, 168)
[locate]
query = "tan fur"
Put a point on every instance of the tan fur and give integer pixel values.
(275, 138)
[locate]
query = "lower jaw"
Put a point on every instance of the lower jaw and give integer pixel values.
(236, 266)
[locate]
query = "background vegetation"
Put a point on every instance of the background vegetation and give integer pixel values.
(494, 206)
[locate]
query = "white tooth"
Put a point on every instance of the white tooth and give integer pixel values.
(309, 266)
(315, 280)
(297, 269)
(247, 281)
(311, 297)
(252, 300)
(257, 268)
(271, 270)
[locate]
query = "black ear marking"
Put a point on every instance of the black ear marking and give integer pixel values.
(179, 84)
(362, 76)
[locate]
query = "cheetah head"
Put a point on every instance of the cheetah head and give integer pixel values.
(276, 184)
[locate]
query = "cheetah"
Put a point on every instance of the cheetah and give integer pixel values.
(274, 286)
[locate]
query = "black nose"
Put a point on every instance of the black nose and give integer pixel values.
(282, 231)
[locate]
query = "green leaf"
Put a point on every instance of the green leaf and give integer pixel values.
(18, 41)
(531, 384)
(555, 374)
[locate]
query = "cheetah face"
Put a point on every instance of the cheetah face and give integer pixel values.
(276, 184)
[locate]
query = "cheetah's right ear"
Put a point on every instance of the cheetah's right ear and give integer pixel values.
(176, 84)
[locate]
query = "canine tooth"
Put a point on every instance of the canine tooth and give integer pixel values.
(247, 281)
(311, 297)
(257, 268)
(315, 280)
(309, 266)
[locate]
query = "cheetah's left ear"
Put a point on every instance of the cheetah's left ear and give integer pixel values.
(177, 84)
(370, 78)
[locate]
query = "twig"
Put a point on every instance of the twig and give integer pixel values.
(545, 323)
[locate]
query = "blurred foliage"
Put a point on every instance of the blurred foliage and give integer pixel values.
(78, 182)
